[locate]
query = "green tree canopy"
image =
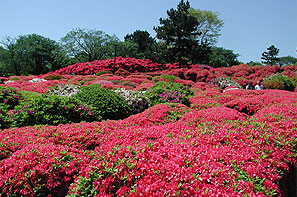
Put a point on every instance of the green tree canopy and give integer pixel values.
(31, 54)
(142, 38)
(209, 25)
(287, 60)
(179, 31)
(221, 57)
(270, 56)
(89, 45)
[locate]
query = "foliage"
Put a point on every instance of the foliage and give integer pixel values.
(163, 92)
(169, 78)
(54, 76)
(221, 57)
(105, 102)
(270, 56)
(279, 81)
(287, 60)
(103, 72)
(32, 54)
(65, 90)
(51, 110)
(209, 25)
(9, 99)
(88, 45)
(179, 33)
(145, 43)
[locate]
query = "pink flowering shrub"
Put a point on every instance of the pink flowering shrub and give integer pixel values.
(40, 170)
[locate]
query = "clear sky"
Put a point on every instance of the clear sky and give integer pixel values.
(251, 26)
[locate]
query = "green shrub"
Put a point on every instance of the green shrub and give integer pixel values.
(51, 110)
(169, 78)
(169, 92)
(279, 81)
(29, 95)
(106, 102)
(103, 72)
(9, 98)
(54, 77)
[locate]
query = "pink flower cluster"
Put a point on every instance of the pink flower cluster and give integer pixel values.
(128, 64)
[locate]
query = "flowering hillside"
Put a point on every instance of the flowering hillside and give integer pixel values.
(220, 142)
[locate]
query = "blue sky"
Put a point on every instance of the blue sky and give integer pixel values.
(251, 26)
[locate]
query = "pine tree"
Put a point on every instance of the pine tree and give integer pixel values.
(179, 31)
(270, 57)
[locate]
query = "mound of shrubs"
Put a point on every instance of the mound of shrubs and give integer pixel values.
(169, 92)
(51, 110)
(279, 81)
(105, 102)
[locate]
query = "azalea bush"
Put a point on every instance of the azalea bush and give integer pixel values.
(224, 83)
(135, 99)
(105, 102)
(51, 110)
(163, 92)
(66, 90)
(9, 98)
(279, 81)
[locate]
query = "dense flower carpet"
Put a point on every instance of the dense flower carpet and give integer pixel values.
(225, 142)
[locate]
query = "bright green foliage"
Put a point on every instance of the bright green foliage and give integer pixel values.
(89, 45)
(51, 110)
(9, 98)
(163, 92)
(169, 78)
(107, 103)
(221, 57)
(209, 24)
(279, 81)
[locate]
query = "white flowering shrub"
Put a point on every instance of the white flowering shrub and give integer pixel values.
(223, 83)
(36, 80)
(65, 90)
(136, 99)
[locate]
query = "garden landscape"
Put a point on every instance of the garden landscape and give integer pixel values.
(176, 131)
(173, 114)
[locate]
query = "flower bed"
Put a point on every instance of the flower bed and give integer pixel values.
(235, 142)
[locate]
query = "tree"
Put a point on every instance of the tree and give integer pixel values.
(221, 57)
(30, 54)
(89, 45)
(142, 38)
(287, 60)
(179, 31)
(270, 56)
(209, 25)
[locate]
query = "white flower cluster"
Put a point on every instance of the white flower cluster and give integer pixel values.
(36, 80)
(136, 99)
(66, 90)
(8, 82)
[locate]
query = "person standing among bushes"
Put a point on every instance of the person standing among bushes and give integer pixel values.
(259, 86)
(250, 86)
